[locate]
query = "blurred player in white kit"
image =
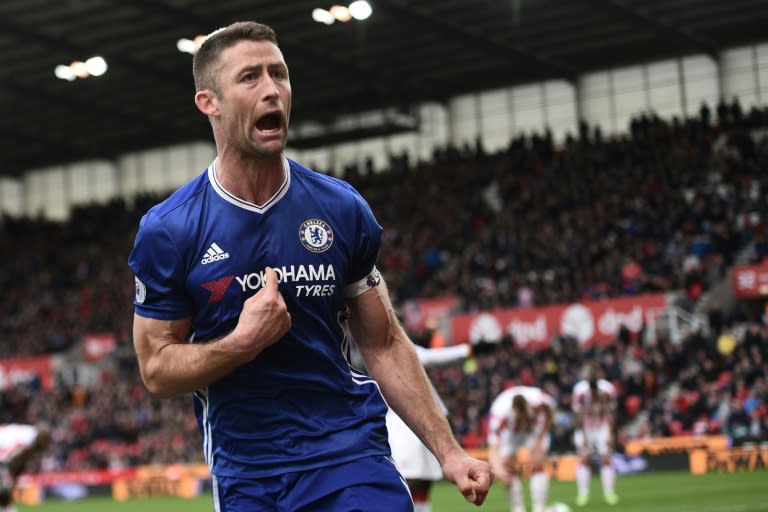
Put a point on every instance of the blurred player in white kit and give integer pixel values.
(521, 416)
(18, 443)
(594, 403)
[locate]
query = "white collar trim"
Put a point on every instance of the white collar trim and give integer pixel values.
(230, 198)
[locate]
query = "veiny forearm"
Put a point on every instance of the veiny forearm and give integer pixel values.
(171, 366)
(176, 368)
(409, 393)
(392, 360)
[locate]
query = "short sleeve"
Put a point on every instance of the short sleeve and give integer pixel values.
(497, 419)
(362, 270)
(158, 273)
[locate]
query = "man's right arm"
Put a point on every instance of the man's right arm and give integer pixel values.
(171, 366)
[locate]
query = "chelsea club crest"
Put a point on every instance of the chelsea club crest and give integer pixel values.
(316, 235)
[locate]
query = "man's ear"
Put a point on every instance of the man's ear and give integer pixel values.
(207, 102)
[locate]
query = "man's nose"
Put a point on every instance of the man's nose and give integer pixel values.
(270, 89)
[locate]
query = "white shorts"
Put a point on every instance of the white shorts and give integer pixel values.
(511, 442)
(15, 439)
(596, 439)
(412, 458)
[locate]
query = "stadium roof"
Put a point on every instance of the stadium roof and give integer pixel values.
(408, 51)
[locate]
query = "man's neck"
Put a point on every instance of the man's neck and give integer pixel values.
(255, 180)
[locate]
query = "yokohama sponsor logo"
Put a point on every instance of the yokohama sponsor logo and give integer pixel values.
(321, 279)
(218, 288)
(289, 274)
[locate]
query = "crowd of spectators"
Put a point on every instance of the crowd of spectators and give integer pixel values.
(667, 206)
(112, 425)
(701, 385)
(697, 386)
(61, 281)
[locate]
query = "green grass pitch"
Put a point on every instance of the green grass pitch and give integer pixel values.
(657, 492)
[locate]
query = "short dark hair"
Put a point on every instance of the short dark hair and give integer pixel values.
(206, 57)
(593, 374)
(519, 403)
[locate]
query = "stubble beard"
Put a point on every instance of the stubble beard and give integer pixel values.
(251, 148)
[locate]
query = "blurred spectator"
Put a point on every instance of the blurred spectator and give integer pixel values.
(737, 426)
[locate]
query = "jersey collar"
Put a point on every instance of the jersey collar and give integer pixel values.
(240, 203)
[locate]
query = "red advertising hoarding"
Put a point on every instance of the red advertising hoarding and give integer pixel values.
(21, 370)
(589, 322)
(750, 281)
(98, 345)
(418, 312)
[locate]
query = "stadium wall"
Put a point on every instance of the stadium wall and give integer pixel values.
(607, 98)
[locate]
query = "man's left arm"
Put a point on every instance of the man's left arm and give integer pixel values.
(548, 413)
(391, 360)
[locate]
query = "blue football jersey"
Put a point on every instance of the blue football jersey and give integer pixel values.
(299, 404)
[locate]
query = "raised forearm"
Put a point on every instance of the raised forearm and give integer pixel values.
(171, 366)
(177, 368)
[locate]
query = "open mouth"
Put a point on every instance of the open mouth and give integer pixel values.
(269, 122)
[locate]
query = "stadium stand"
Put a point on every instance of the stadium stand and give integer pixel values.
(656, 209)
(671, 205)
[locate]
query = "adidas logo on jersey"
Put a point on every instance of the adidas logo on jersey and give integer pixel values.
(214, 253)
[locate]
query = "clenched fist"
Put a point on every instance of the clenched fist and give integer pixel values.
(264, 318)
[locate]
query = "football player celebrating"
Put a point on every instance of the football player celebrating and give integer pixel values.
(251, 281)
